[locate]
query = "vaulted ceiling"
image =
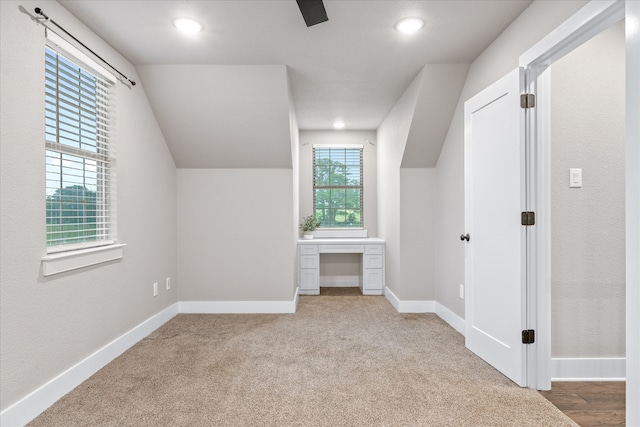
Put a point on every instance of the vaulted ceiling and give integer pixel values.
(353, 67)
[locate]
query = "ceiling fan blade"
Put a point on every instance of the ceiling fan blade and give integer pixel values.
(312, 11)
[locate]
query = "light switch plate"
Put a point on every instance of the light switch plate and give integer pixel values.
(575, 177)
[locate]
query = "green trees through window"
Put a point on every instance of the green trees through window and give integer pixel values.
(337, 187)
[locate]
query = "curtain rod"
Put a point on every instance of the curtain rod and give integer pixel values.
(46, 18)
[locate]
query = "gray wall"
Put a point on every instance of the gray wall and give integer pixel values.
(497, 60)
(294, 132)
(588, 223)
(405, 204)
(49, 324)
(235, 234)
(392, 138)
(417, 217)
(238, 226)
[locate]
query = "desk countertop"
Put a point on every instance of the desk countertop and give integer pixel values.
(340, 241)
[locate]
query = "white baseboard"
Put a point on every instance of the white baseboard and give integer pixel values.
(32, 405)
(409, 306)
(455, 321)
(239, 307)
(595, 369)
(391, 297)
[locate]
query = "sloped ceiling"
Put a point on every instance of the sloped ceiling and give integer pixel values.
(440, 88)
(216, 116)
(353, 67)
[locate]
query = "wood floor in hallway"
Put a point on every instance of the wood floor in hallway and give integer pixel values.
(590, 404)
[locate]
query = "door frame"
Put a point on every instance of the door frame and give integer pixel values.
(589, 21)
(581, 27)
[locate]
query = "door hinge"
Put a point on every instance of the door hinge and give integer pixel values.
(528, 218)
(528, 336)
(527, 100)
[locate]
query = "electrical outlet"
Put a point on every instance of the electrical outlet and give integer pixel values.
(461, 291)
(155, 289)
(168, 283)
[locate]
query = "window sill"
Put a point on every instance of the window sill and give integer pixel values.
(73, 260)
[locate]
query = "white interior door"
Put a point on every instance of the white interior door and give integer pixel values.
(495, 309)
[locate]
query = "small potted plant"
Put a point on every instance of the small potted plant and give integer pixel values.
(308, 225)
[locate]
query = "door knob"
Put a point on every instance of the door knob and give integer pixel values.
(464, 237)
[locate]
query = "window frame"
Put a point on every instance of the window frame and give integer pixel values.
(345, 187)
(102, 152)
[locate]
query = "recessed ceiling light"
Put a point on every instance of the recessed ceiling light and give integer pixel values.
(187, 26)
(339, 124)
(409, 25)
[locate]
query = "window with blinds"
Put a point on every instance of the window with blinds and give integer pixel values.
(78, 155)
(338, 187)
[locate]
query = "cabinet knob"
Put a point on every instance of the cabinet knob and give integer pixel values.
(464, 237)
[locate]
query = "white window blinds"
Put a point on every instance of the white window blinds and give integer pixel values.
(79, 154)
(338, 186)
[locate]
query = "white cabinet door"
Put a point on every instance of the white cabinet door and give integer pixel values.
(373, 279)
(308, 269)
(309, 280)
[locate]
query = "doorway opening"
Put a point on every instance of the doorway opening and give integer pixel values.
(587, 143)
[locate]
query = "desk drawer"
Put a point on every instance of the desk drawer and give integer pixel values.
(374, 249)
(308, 249)
(342, 249)
(372, 261)
(309, 261)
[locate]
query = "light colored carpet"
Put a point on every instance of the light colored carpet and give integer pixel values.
(339, 361)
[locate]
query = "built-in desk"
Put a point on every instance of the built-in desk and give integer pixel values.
(371, 280)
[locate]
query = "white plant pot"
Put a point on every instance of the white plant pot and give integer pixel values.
(307, 235)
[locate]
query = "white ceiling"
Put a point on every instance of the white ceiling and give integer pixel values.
(354, 67)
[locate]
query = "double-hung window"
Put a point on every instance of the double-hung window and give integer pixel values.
(338, 186)
(79, 156)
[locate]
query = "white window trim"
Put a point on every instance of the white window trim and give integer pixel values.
(361, 146)
(73, 260)
(79, 246)
(90, 64)
(60, 259)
